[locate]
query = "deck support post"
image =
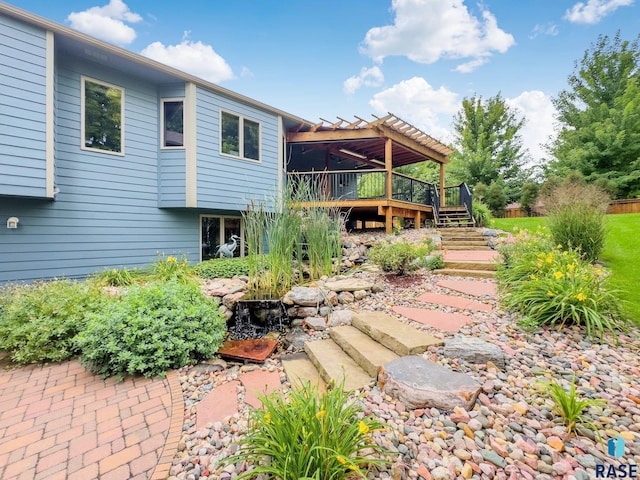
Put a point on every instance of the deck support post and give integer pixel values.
(442, 199)
(388, 166)
(418, 219)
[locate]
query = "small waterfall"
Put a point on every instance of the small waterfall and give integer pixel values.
(254, 318)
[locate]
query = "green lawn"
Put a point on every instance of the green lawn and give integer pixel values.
(621, 253)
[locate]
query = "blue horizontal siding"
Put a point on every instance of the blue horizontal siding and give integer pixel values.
(22, 109)
(225, 182)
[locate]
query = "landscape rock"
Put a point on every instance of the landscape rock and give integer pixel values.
(340, 317)
(474, 350)
(304, 312)
(346, 297)
(231, 299)
(305, 296)
(419, 383)
(350, 284)
(316, 323)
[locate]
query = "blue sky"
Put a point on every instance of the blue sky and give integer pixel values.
(415, 58)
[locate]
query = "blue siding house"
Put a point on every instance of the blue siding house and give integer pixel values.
(108, 158)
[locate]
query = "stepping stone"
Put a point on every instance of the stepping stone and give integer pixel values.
(367, 353)
(471, 287)
(419, 383)
(255, 350)
(397, 336)
(335, 365)
(452, 301)
(300, 370)
(259, 382)
(444, 321)
(220, 403)
(474, 350)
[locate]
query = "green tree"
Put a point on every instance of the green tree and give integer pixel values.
(600, 118)
(480, 191)
(489, 145)
(528, 196)
(496, 198)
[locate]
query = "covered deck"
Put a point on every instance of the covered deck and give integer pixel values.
(352, 164)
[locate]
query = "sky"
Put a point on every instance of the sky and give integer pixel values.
(343, 58)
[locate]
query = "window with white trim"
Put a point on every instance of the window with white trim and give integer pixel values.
(239, 136)
(172, 122)
(102, 112)
(221, 236)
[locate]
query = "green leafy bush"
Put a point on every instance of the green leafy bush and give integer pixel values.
(152, 328)
(399, 257)
(309, 435)
(38, 322)
(576, 216)
(433, 262)
(481, 214)
(223, 268)
(171, 268)
(569, 406)
(556, 288)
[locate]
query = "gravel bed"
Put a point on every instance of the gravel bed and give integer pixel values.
(511, 433)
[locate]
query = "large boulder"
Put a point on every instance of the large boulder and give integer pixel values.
(348, 285)
(305, 296)
(474, 350)
(419, 383)
(340, 317)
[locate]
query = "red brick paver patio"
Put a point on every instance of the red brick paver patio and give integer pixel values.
(61, 422)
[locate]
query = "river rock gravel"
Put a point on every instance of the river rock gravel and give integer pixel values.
(510, 433)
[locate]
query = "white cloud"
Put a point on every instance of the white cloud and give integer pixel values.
(196, 58)
(594, 10)
(107, 23)
(416, 101)
(540, 117)
(368, 77)
(550, 29)
(428, 30)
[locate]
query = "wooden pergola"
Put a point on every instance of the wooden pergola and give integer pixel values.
(384, 142)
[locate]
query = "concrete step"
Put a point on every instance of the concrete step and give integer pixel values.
(300, 370)
(446, 246)
(367, 353)
(470, 265)
(458, 272)
(393, 334)
(335, 365)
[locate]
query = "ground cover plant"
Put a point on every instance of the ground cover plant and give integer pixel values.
(39, 322)
(222, 267)
(398, 257)
(620, 255)
(309, 435)
(150, 329)
(555, 287)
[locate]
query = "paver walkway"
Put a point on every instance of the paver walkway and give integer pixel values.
(61, 422)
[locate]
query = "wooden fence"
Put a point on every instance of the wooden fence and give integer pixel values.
(630, 205)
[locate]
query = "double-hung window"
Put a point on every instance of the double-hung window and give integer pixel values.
(172, 118)
(239, 136)
(102, 121)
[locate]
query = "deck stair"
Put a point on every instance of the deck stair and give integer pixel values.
(466, 239)
(356, 352)
(452, 217)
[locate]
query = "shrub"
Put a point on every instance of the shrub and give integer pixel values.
(481, 214)
(171, 269)
(152, 328)
(569, 406)
(397, 257)
(308, 435)
(38, 322)
(433, 262)
(576, 216)
(116, 277)
(223, 268)
(556, 288)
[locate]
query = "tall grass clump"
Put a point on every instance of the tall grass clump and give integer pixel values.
(481, 214)
(576, 216)
(39, 322)
(298, 235)
(552, 287)
(309, 435)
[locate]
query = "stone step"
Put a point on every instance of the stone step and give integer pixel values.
(367, 353)
(456, 237)
(335, 365)
(458, 272)
(453, 225)
(467, 242)
(300, 370)
(393, 334)
(450, 264)
(465, 247)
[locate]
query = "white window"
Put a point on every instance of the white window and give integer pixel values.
(172, 123)
(239, 136)
(102, 111)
